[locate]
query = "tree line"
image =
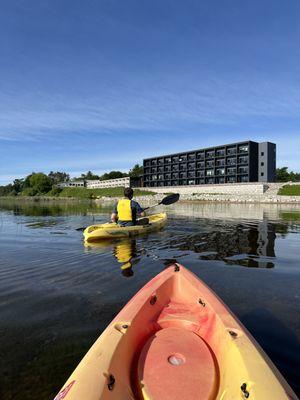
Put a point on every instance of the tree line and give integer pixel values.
(283, 175)
(38, 183)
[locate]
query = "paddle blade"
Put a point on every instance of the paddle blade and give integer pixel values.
(172, 198)
(82, 228)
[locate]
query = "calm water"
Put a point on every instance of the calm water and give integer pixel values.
(56, 296)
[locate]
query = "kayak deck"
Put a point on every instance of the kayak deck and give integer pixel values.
(113, 230)
(176, 340)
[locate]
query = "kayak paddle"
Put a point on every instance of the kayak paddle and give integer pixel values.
(166, 201)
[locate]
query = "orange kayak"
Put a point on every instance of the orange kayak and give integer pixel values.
(176, 340)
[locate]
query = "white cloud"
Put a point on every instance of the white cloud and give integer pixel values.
(143, 106)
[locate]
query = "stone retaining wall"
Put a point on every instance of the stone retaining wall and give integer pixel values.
(232, 189)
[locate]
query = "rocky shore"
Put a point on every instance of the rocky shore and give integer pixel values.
(225, 198)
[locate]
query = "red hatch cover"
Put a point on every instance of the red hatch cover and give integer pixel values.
(176, 364)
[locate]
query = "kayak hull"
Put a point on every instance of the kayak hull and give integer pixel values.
(95, 233)
(176, 340)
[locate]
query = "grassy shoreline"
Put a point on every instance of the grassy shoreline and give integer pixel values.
(289, 190)
(82, 194)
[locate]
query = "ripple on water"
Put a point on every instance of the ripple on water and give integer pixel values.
(56, 295)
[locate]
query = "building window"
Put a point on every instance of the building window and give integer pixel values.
(231, 179)
(231, 161)
(191, 182)
(182, 167)
(209, 163)
(201, 155)
(220, 162)
(231, 151)
(220, 153)
(243, 170)
(168, 159)
(243, 160)
(231, 171)
(243, 149)
(262, 174)
(210, 172)
(210, 154)
(182, 158)
(262, 164)
(262, 153)
(175, 159)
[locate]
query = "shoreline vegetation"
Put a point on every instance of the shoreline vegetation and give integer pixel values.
(39, 186)
(286, 194)
(289, 190)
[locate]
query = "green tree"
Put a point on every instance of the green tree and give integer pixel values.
(29, 191)
(26, 183)
(113, 175)
(7, 190)
(137, 170)
(18, 185)
(58, 177)
(89, 176)
(282, 174)
(40, 182)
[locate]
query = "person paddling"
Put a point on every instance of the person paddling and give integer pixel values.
(127, 210)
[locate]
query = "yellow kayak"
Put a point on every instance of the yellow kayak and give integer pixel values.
(176, 340)
(110, 230)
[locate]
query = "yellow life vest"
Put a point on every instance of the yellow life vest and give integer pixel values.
(124, 210)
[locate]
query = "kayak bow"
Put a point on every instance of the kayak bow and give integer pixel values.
(176, 340)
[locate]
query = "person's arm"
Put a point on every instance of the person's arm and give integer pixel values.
(114, 215)
(140, 210)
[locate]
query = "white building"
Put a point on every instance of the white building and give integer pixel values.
(71, 184)
(119, 182)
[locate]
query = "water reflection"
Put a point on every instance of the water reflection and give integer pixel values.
(125, 251)
(249, 245)
(246, 244)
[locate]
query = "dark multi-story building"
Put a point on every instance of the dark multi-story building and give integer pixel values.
(231, 163)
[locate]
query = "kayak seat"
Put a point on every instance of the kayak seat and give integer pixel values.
(176, 364)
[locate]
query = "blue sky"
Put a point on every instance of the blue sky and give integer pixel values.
(99, 85)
